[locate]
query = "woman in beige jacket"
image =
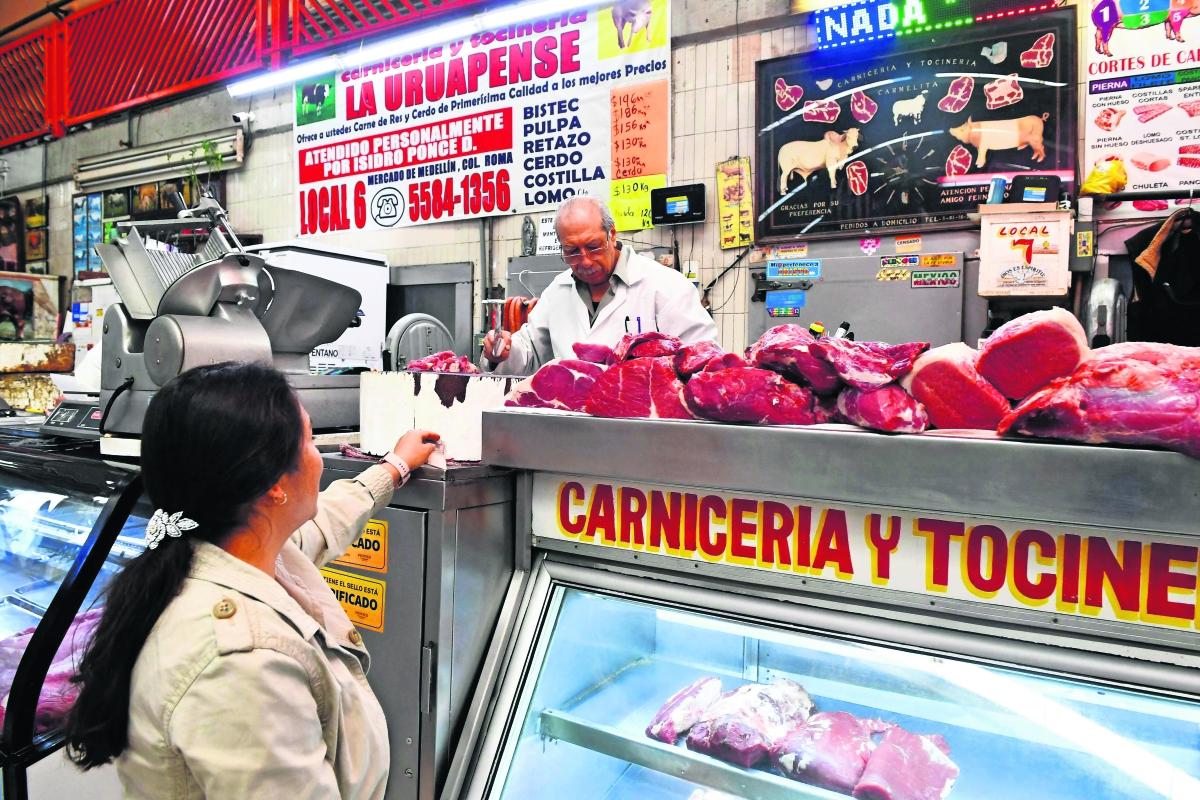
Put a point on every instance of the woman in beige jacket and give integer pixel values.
(223, 666)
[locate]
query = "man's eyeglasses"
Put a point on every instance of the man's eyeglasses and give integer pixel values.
(572, 255)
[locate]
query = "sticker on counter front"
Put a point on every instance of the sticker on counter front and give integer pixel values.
(943, 260)
(1135, 578)
(935, 279)
(891, 262)
(1083, 244)
(798, 250)
(362, 598)
(908, 244)
(893, 274)
(785, 302)
(869, 245)
(369, 551)
(794, 270)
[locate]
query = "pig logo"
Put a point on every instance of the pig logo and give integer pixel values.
(634, 13)
(387, 207)
(1003, 134)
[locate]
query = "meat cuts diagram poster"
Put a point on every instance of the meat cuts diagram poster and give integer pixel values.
(510, 120)
(1143, 92)
(911, 140)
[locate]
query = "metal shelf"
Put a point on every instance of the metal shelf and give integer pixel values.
(677, 761)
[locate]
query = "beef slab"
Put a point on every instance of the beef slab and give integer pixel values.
(650, 344)
(867, 365)
(889, 409)
(562, 383)
(444, 361)
(908, 766)
(954, 394)
(744, 724)
(596, 353)
(748, 394)
(830, 750)
(684, 710)
(785, 349)
(1136, 393)
(692, 358)
(1026, 353)
(643, 387)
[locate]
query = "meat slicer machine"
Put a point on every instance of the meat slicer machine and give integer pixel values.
(180, 310)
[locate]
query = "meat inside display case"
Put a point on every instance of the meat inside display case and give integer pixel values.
(613, 681)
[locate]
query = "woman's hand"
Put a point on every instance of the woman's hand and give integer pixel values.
(415, 447)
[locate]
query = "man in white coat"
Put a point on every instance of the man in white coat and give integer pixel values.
(607, 292)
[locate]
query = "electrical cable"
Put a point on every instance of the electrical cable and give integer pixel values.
(125, 386)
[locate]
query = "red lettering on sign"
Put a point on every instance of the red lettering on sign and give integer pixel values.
(937, 549)
(1162, 579)
(1043, 587)
(803, 543)
(1123, 575)
(882, 546)
(712, 509)
(777, 525)
(1068, 576)
(435, 82)
(997, 562)
(568, 493)
(633, 512)
(833, 544)
(477, 64)
(602, 513)
(665, 520)
(739, 527)
(691, 521)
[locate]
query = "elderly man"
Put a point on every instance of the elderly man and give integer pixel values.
(607, 292)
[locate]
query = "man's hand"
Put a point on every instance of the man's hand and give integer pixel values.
(489, 343)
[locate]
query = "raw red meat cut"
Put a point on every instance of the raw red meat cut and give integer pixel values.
(908, 766)
(1026, 353)
(1003, 92)
(830, 750)
(825, 408)
(1189, 161)
(958, 94)
(784, 349)
(748, 394)
(1190, 148)
(867, 365)
(643, 387)
(444, 361)
(563, 383)
(1151, 162)
(595, 353)
(786, 96)
(857, 175)
(742, 726)
(683, 710)
(954, 394)
(889, 408)
(1151, 111)
(725, 361)
(862, 107)
(691, 358)
(58, 693)
(645, 345)
(1136, 393)
(1041, 54)
(1192, 107)
(1109, 118)
(1151, 205)
(821, 111)
(958, 162)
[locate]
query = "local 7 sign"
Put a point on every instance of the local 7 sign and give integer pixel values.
(1129, 577)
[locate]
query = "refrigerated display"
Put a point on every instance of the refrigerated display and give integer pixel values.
(67, 525)
(973, 618)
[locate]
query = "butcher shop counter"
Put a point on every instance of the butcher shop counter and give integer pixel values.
(1019, 616)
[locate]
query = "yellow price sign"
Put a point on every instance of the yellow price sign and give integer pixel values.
(630, 201)
(363, 599)
(369, 551)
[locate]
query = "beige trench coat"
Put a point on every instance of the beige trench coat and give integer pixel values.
(250, 687)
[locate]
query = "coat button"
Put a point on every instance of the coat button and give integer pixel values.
(224, 609)
(355, 636)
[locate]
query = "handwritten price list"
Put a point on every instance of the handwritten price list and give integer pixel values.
(639, 151)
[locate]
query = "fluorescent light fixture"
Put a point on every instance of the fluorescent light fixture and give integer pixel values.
(409, 42)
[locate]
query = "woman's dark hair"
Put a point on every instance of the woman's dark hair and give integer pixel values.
(215, 440)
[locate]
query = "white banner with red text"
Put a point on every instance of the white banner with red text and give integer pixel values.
(512, 120)
(1130, 577)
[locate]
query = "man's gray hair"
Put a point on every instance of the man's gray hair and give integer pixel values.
(606, 216)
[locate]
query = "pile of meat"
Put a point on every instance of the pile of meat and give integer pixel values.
(778, 723)
(444, 361)
(58, 692)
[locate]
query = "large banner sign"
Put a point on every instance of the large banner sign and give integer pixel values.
(908, 134)
(511, 120)
(1143, 92)
(1131, 577)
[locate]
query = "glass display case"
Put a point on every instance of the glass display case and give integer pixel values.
(67, 524)
(591, 669)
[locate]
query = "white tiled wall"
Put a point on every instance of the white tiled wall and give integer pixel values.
(713, 120)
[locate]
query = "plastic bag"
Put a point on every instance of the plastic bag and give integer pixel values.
(1108, 177)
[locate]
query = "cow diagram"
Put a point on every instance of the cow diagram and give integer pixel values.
(1108, 15)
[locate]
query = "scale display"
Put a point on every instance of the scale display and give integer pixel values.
(875, 20)
(785, 302)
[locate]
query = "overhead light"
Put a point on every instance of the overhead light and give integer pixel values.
(161, 161)
(409, 42)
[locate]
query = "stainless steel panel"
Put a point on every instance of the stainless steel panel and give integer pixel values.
(1110, 487)
(528, 276)
(458, 272)
(676, 761)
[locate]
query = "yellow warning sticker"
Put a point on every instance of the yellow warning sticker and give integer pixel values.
(943, 260)
(362, 598)
(370, 550)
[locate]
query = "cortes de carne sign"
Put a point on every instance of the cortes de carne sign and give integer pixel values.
(1131, 577)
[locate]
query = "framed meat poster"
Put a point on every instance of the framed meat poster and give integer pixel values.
(909, 140)
(1143, 92)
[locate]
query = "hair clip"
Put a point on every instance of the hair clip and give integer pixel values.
(161, 525)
